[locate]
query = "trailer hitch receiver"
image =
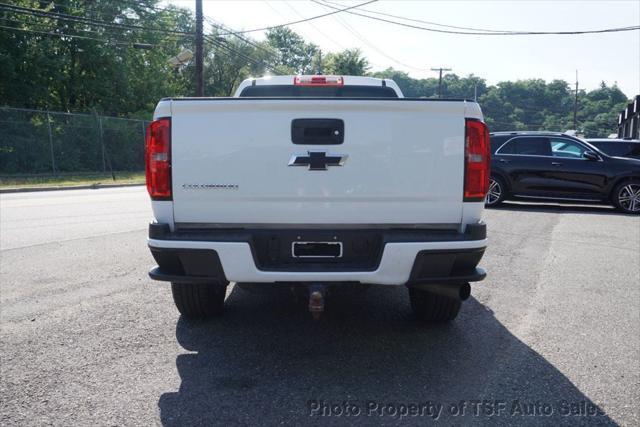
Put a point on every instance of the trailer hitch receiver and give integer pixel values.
(316, 300)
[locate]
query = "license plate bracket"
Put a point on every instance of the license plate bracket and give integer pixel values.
(316, 249)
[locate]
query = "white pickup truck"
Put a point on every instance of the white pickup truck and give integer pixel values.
(318, 182)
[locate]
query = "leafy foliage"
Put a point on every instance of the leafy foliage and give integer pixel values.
(295, 55)
(349, 62)
(103, 71)
(525, 104)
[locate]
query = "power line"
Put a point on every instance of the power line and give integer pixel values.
(92, 7)
(483, 33)
(373, 46)
(258, 62)
(106, 26)
(15, 20)
(85, 20)
(102, 32)
(63, 35)
(248, 41)
(350, 29)
(228, 49)
(110, 26)
(273, 55)
(290, 6)
(225, 48)
(337, 10)
(132, 5)
(418, 20)
(108, 31)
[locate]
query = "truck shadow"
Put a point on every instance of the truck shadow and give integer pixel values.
(266, 362)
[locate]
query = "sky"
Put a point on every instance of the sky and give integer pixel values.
(609, 57)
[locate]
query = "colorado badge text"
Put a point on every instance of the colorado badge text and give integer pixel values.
(210, 186)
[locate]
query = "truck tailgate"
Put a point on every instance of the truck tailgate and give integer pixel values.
(230, 162)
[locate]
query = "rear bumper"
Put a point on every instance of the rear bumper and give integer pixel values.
(400, 257)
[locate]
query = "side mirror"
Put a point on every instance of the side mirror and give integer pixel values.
(590, 155)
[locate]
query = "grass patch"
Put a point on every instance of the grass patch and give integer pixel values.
(65, 180)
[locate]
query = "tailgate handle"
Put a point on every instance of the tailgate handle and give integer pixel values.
(317, 131)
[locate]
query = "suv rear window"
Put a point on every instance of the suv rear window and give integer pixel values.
(527, 146)
(290, 91)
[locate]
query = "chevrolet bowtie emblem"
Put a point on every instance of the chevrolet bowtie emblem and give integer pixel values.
(317, 160)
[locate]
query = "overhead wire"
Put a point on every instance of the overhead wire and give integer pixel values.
(112, 26)
(246, 40)
(318, 30)
(65, 28)
(85, 20)
(286, 24)
(482, 33)
(372, 46)
(418, 20)
(62, 35)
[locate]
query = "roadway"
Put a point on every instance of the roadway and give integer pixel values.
(87, 338)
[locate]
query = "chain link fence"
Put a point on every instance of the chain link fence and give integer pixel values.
(35, 142)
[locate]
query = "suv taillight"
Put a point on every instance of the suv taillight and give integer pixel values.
(158, 159)
(477, 161)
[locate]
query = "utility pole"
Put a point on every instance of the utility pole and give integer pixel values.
(319, 71)
(440, 80)
(575, 106)
(199, 51)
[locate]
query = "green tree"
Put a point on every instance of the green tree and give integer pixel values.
(410, 87)
(229, 61)
(101, 68)
(349, 62)
(295, 56)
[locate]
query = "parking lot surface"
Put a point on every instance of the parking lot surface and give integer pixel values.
(551, 337)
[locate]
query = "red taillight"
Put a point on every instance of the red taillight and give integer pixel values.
(477, 161)
(318, 81)
(158, 159)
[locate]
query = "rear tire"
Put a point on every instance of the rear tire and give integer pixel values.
(497, 192)
(430, 307)
(626, 197)
(199, 300)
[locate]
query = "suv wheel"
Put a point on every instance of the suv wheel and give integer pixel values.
(199, 300)
(626, 197)
(430, 307)
(496, 193)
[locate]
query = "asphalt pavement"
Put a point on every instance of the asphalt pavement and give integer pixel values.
(551, 337)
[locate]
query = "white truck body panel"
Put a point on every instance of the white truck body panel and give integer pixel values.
(396, 195)
(404, 166)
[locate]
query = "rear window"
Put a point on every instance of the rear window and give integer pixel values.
(290, 91)
(527, 146)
